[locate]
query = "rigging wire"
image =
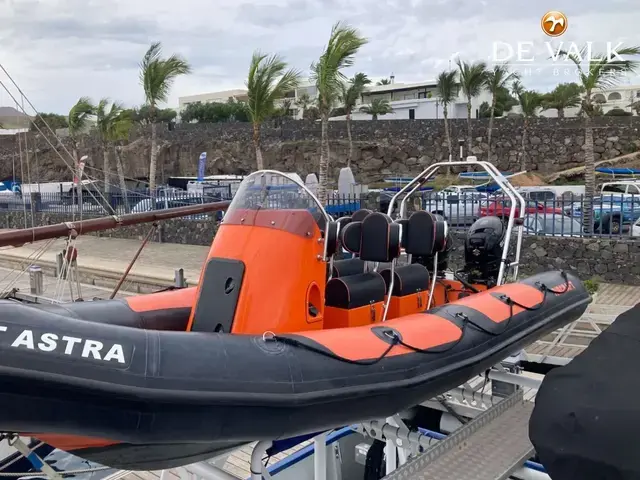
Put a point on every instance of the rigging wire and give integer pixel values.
(24, 204)
(25, 264)
(26, 154)
(71, 169)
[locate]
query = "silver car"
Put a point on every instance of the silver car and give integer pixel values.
(553, 225)
(458, 210)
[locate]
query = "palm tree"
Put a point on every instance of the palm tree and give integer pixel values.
(349, 97)
(117, 132)
(339, 53)
(472, 81)
(106, 116)
(602, 72)
(267, 82)
(635, 106)
(377, 107)
(304, 102)
(157, 75)
(78, 120)
(496, 79)
(565, 95)
(529, 102)
(447, 91)
(384, 81)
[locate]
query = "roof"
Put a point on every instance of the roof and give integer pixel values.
(11, 112)
(399, 86)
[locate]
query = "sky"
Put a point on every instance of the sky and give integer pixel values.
(60, 50)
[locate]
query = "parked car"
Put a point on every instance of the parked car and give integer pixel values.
(457, 209)
(161, 203)
(635, 229)
(611, 215)
(538, 194)
(623, 187)
(552, 225)
(501, 207)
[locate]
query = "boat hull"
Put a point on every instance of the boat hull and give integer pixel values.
(146, 392)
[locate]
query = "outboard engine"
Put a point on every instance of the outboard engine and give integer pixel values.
(483, 250)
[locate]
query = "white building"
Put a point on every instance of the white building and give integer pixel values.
(408, 100)
(415, 101)
(620, 96)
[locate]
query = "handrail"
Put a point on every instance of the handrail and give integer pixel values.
(82, 227)
(497, 177)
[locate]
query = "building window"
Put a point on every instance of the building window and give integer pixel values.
(412, 114)
(422, 94)
(615, 96)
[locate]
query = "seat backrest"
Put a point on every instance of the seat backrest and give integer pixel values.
(360, 215)
(374, 239)
(419, 234)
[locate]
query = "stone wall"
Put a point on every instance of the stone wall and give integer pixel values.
(382, 147)
(605, 259)
(181, 231)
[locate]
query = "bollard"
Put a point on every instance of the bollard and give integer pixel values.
(59, 263)
(35, 280)
(179, 279)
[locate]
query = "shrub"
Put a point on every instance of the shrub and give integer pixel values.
(592, 285)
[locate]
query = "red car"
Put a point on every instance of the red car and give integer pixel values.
(501, 207)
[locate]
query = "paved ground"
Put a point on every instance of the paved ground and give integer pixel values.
(157, 260)
(53, 288)
(610, 301)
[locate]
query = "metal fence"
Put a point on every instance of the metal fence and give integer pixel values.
(94, 203)
(612, 215)
(566, 216)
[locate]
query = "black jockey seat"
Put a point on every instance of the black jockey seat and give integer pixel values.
(441, 246)
(422, 235)
(358, 299)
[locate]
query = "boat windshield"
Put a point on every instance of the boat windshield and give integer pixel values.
(275, 200)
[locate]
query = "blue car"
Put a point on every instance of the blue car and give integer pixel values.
(611, 214)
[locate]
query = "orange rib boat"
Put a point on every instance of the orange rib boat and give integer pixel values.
(278, 339)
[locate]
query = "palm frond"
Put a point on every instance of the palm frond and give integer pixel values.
(350, 92)
(472, 77)
(377, 107)
(344, 43)
(79, 115)
(447, 86)
(110, 118)
(268, 81)
(499, 76)
(157, 74)
(602, 71)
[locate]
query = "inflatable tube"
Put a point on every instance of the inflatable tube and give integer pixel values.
(98, 377)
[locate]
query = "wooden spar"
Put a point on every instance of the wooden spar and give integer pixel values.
(28, 235)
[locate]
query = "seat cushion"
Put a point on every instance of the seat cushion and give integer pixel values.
(348, 267)
(355, 291)
(409, 279)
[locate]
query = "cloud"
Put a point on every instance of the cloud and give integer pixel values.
(59, 50)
